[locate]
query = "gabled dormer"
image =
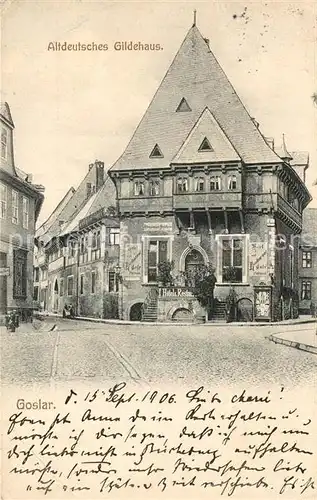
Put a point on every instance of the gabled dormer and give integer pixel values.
(7, 127)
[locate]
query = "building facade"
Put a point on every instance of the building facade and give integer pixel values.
(199, 185)
(20, 204)
(308, 263)
(78, 250)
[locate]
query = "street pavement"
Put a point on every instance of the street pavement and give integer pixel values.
(82, 351)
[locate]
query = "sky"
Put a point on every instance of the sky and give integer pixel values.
(70, 108)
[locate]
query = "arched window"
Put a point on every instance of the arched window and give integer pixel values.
(232, 182)
(215, 183)
(138, 188)
(193, 262)
(154, 187)
(199, 184)
(182, 185)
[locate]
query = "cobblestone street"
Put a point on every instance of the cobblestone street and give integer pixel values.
(215, 355)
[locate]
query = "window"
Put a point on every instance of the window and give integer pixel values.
(81, 284)
(232, 182)
(156, 152)
(61, 287)
(43, 274)
(114, 236)
(199, 184)
(93, 281)
(3, 201)
(36, 293)
(15, 207)
(154, 187)
(4, 143)
(19, 273)
(306, 290)
(95, 245)
(157, 252)
(36, 274)
(26, 205)
(291, 261)
(139, 188)
(205, 145)
(232, 262)
(113, 280)
(215, 183)
(307, 259)
(83, 257)
(183, 106)
(182, 185)
(70, 285)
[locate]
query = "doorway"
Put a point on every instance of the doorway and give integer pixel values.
(136, 312)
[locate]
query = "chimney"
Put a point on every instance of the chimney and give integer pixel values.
(100, 174)
(29, 178)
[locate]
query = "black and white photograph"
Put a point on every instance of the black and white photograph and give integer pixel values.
(158, 277)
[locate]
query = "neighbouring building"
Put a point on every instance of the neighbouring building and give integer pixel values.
(308, 263)
(20, 205)
(78, 250)
(199, 184)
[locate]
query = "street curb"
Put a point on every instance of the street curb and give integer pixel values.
(211, 324)
(291, 343)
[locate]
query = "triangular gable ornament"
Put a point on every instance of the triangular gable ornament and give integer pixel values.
(205, 145)
(156, 152)
(183, 106)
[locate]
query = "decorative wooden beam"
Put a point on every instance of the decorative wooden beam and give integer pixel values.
(209, 220)
(191, 219)
(241, 221)
(225, 213)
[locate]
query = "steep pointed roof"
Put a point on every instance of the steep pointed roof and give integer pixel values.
(206, 129)
(196, 75)
(103, 198)
(6, 113)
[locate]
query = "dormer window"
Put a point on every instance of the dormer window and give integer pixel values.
(156, 152)
(199, 184)
(182, 185)
(4, 143)
(183, 106)
(205, 146)
(138, 188)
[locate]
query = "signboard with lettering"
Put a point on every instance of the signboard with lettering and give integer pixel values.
(158, 227)
(132, 260)
(258, 256)
(174, 292)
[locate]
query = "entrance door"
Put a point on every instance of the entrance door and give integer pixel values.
(193, 261)
(55, 297)
(136, 312)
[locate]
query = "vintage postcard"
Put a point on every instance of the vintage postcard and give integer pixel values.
(158, 277)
